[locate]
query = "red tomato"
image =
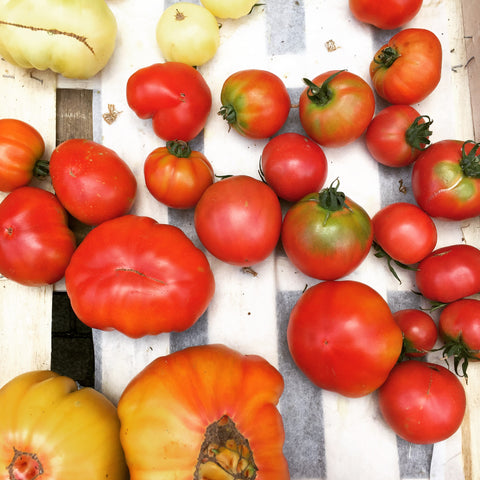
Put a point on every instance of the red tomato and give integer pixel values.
(326, 235)
(385, 14)
(336, 108)
(91, 181)
(21, 151)
(348, 347)
(408, 68)
(397, 135)
(449, 273)
(174, 95)
(177, 176)
(238, 220)
(255, 103)
(422, 402)
(293, 165)
(36, 244)
(404, 232)
(420, 333)
(139, 277)
(446, 180)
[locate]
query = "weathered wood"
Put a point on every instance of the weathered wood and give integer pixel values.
(74, 114)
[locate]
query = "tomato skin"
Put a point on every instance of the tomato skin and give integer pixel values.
(231, 9)
(422, 402)
(21, 149)
(238, 220)
(293, 165)
(449, 273)
(408, 68)
(441, 183)
(385, 14)
(91, 181)
(405, 232)
(255, 103)
(133, 275)
(341, 113)
(397, 135)
(36, 244)
(174, 95)
(348, 347)
(177, 176)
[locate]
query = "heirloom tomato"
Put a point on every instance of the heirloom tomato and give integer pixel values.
(238, 220)
(422, 402)
(449, 273)
(21, 151)
(336, 108)
(255, 103)
(229, 8)
(397, 135)
(408, 68)
(139, 277)
(174, 95)
(51, 429)
(188, 33)
(342, 336)
(293, 165)
(446, 180)
(36, 244)
(91, 181)
(205, 412)
(385, 14)
(177, 176)
(326, 235)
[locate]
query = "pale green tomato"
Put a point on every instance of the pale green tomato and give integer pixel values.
(229, 8)
(75, 38)
(188, 33)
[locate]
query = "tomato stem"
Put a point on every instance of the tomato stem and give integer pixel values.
(470, 162)
(179, 148)
(417, 133)
(461, 353)
(386, 57)
(228, 113)
(41, 168)
(321, 95)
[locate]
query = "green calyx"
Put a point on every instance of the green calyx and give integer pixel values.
(417, 133)
(461, 353)
(330, 200)
(228, 113)
(321, 95)
(41, 169)
(386, 57)
(470, 162)
(179, 148)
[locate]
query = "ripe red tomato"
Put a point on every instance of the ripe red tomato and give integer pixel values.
(91, 181)
(255, 103)
(36, 244)
(326, 235)
(342, 336)
(404, 232)
(385, 14)
(449, 273)
(139, 277)
(397, 135)
(293, 166)
(174, 95)
(336, 108)
(422, 402)
(238, 220)
(177, 176)
(446, 180)
(408, 68)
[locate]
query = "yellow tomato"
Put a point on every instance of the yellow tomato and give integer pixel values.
(229, 8)
(188, 33)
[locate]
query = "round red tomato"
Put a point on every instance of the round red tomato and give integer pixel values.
(174, 95)
(91, 181)
(336, 108)
(385, 14)
(21, 151)
(255, 103)
(422, 402)
(449, 273)
(326, 235)
(408, 68)
(139, 277)
(176, 175)
(342, 336)
(397, 135)
(293, 165)
(446, 180)
(404, 232)
(238, 220)
(36, 244)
